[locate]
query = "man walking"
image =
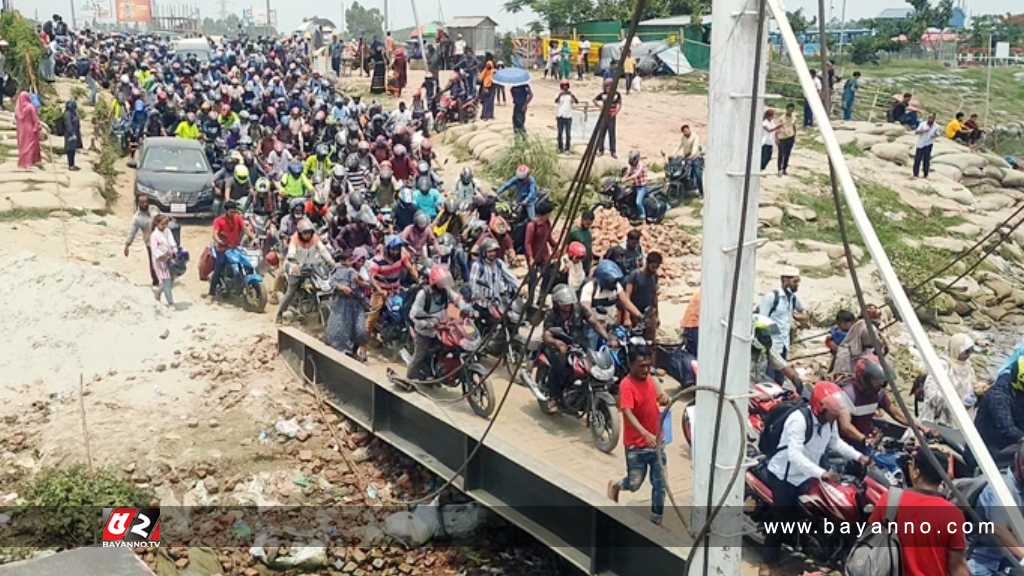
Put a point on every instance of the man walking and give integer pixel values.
(613, 111)
(521, 97)
(639, 398)
(927, 132)
(849, 93)
(808, 113)
(783, 306)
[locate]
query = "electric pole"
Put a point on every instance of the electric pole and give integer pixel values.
(74, 24)
(730, 98)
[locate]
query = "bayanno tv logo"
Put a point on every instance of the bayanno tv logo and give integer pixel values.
(131, 527)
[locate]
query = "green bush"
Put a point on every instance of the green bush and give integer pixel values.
(21, 40)
(537, 153)
(864, 50)
(63, 507)
(50, 114)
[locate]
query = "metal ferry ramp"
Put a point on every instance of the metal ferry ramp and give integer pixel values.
(541, 473)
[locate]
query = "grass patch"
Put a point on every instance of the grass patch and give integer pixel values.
(695, 82)
(63, 506)
(893, 222)
(78, 93)
(852, 150)
(810, 141)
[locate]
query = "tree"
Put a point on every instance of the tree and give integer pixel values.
(557, 14)
(800, 23)
(362, 22)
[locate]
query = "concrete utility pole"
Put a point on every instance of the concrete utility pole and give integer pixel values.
(826, 85)
(416, 23)
(74, 23)
(734, 29)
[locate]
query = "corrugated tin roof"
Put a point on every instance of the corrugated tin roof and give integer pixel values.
(470, 21)
(683, 20)
(895, 13)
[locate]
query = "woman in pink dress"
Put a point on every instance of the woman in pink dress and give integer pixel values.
(29, 129)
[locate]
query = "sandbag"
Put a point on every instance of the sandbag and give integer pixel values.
(951, 172)
(994, 172)
(1013, 179)
(995, 160)
(973, 172)
(897, 153)
(953, 191)
(866, 141)
(961, 160)
(992, 202)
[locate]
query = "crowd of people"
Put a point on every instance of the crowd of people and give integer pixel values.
(352, 188)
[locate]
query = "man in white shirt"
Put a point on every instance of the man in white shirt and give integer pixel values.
(794, 465)
(585, 49)
(808, 113)
(563, 116)
(927, 132)
(460, 47)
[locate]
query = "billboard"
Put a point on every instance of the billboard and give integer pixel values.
(134, 10)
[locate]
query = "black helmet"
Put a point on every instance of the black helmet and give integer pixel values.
(634, 157)
(467, 175)
(322, 151)
(423, 184)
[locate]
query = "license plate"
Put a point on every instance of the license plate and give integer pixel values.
(178, 208)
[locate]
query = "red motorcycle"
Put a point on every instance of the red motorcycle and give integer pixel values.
(451, 110)
(845, 503)
(764, 397)
(456, 362)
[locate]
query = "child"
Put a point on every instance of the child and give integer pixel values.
(836, 335)
(163, 248)
(346, 327)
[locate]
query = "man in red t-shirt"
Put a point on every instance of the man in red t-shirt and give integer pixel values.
(639, 398)
(929, 527)
(228, 229)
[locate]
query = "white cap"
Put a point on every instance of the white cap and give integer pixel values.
(790, 271)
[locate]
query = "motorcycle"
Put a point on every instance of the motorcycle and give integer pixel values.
(315, 293)
(851, 500)
(507, 344)
(764, 397)
(680, 177)
(452, 110)
(518, 217)
(624, 201)
(392, 329)
(590, 392)
(454, 364)
(240, 278)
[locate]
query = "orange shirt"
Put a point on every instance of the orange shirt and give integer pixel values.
(691, 317)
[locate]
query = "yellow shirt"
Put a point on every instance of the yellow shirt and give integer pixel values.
(953, 127)
(629, 66)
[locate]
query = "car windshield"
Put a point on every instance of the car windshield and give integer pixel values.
(182, 160)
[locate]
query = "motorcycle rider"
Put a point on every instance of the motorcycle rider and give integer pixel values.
(986, 559)
(490, 279)
(318, 162)
(794, 465)
(692, 153)
(357, 178)
(305, 250)
(605, 298)
(294, 185)
(228, 230)
(428, 199)
(449, 221)
(289, 224)
(526, 189)
(385, 272)
(1000, 418)
(403, 164)
(449, 253)
(187, 128)
(636, 175)
(428, 309)
(864, 395)
(385, 186)
(262, 201)
(237, 187)
(466, 189)
(418, 236)
(573, 320)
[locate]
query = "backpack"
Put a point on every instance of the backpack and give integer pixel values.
(878, 554)
(775, 422)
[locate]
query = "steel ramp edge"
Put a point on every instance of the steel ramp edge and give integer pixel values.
(572, 519)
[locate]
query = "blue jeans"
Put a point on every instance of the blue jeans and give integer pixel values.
(848, 107)
(471, 84)
(641, 193)
(638, 460)
(981, 569)
(91, 83)
(220, 261)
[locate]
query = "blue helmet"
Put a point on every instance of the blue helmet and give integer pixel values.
(295, 168)
(394, 242)
(607, 273)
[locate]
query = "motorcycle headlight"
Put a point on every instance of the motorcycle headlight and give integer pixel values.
(603, 373)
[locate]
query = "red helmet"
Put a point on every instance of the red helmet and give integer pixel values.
(563, 84)
(439, 275)
(272, 258)
(522, 171)
(823, 391)
(577, 250)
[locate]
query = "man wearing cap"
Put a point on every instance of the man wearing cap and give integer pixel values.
(783, 306)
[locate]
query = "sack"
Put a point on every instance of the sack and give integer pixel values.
(205, 264)
(878, 554)
(775, 421)
(58, 127)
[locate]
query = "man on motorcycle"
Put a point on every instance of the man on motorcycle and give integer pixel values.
(228, 229)
(466, 189)
(807, 432)
(864, 395)
(428, 199)
(567, 315)
(449, 221)
(490, 279)
(187, 128)
(294, 184)
(987, 560)
(403, 164)
(636, 175)
(357, 178)
(428, 309)
(449, 253)
(263, 201)
(526, 189)
(604, 297)
(305, 250)
(385, 273)
(236, 187)
(418, 235)
(385, 186)
(692, 153)
(318, 162)
(359, 231)
(1000, 418)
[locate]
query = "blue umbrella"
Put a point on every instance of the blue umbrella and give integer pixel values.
(511, 77)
